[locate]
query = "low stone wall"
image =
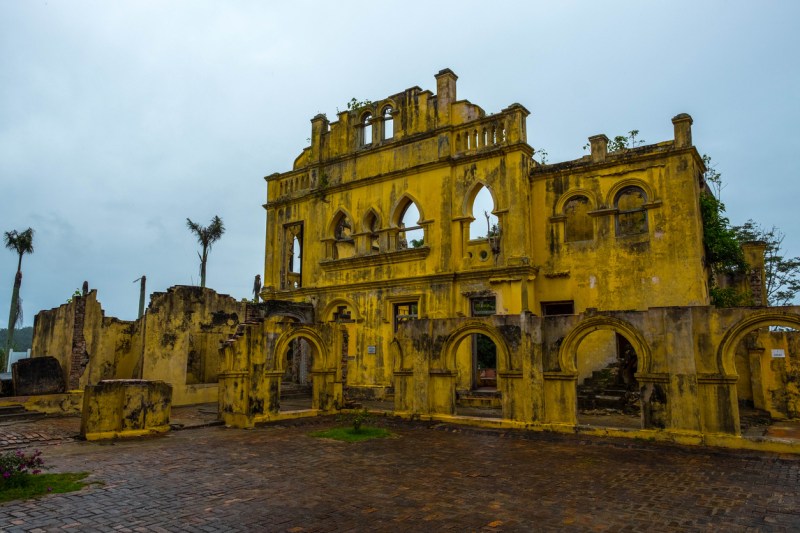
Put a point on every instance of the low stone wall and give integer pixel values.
(125, 408)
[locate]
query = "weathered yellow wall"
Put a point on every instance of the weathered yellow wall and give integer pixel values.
(182, 324)
(442, 152)
(660, 267)
(125, 408)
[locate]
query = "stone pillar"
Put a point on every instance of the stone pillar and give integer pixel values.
(683, 130)
(599, 147)
(445, 94)
(756, 277)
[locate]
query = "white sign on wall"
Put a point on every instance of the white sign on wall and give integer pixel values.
(778, 353)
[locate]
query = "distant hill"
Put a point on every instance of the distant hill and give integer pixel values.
(23, 338)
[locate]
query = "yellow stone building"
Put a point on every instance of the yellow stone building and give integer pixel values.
(373, 223)
(417, 253)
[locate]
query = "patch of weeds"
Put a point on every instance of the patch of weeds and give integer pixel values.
(42, 484)
(348, 434)
(21, 477)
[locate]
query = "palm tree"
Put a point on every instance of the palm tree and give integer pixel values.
(206, 236)
(22, 243)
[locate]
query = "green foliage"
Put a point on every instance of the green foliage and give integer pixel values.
(206, 236)
(17, 467)
(782, 273)
(355, 105)
(625, 142)
(42, 484)
(723, 250)
(20, 242)
(729, 297)
(23, 338)
(417, 243)
(349, 435)
(356, 419)
(542, 154)
(713, 177)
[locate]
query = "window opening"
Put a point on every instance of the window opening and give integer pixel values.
(373, 237)
(558, 308)
(411, 234)
(293, 256)
(405, 311)
(631, 211)
(366, 130)
(388, 123)
(482, 207)
(579, 225)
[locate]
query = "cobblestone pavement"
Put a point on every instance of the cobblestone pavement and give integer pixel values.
(428, 478)
(39, 431)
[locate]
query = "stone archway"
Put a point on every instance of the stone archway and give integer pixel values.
(616, 391)
(470, 399)
(759, 389)
(324, 395)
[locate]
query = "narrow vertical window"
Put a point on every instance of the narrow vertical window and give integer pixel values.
(366, 130)
(388, 123)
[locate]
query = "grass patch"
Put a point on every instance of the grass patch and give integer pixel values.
(41, 484)
(349, 434)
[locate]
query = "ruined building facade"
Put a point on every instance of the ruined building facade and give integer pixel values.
(384, 278)
(371, 228)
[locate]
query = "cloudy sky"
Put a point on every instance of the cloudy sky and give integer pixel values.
(118, 120)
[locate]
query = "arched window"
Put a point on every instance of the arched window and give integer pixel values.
(388, 123)
(631, 211)
(343, 245)
(411, 234)
(366, 130)
(485, 223)
(372, 227)
(578, 225)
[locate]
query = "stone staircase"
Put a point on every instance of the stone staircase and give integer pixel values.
(602, 391)
(17, 412)
(252, 318)
(483, 397)
(291, 390)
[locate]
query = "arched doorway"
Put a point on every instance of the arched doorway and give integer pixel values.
(300, 363)
(476, 354)
(606, 354)
(764, 352)
(607, 389)
(297, 382)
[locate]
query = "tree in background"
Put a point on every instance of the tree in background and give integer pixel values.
(782, 273)
(21, 243)
(206, 236)
(724, 253)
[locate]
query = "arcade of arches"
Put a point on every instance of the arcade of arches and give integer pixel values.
(687, 365)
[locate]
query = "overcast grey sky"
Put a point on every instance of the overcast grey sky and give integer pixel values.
(120, 119)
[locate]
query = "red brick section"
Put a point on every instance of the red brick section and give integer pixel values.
(426, 478)
(79, 358)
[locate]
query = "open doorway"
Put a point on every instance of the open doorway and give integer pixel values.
(608, 393)
(768, 384)
(296, 382)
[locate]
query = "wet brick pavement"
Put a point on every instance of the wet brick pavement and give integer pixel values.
(428, 478)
